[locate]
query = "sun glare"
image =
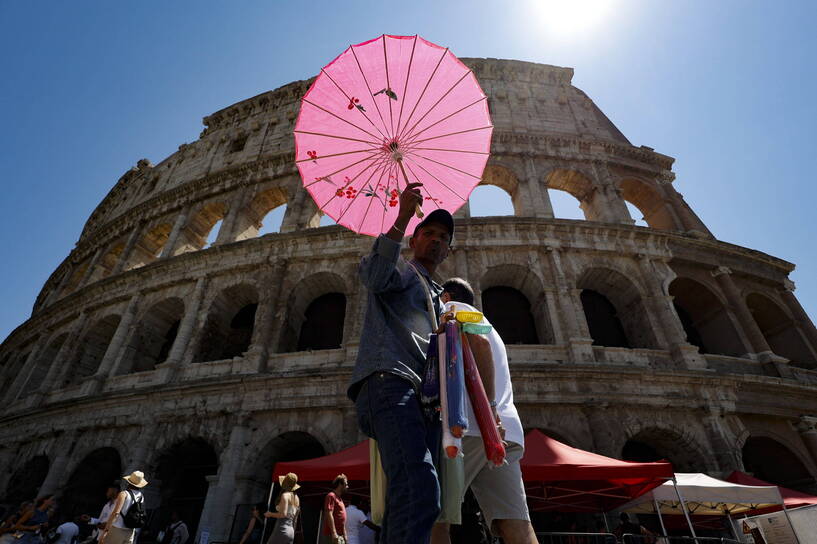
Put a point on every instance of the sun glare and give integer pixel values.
(567, 18)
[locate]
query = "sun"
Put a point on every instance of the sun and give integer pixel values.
(569, 18)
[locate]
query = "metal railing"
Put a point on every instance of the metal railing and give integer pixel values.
(610, 538)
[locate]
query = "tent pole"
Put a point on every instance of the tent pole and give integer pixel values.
(731, 523)
(269, 501)
(320, 527)
(660, 518)
(684, 508)
(606, 522)
(793, 530)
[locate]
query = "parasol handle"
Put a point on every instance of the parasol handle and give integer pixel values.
(398, 157)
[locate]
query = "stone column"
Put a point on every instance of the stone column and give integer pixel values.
(219, 504)
(579, 342)
(185, 332)
(59, 456)
(807, 427)
(615, 210)
(60, 365)
(143, 444)
(106, 366)
(801, 318)
(265, 316)
(683, 353)
(228, 226)
(91, 266)
(539, 196)
(292, 217)
(747, 322)
(26, 369)
(173, 239)
(126, 253)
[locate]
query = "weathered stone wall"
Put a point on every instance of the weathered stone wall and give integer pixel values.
(97, 364)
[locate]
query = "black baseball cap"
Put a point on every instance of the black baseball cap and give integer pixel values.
(441, 216)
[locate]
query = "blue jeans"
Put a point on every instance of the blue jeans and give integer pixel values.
(389, 411)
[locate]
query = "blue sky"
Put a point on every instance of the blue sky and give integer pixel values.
(88, 88)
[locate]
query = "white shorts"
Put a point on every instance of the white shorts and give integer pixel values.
(499, 491)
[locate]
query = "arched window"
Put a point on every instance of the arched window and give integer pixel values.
(654, 444)
(705, 319)
(150, 246)
(92, 350)
(509, 311)
(272, 222)
(26, 480)
(489, 200)
(769, 460)
(85, 491)
(182, 472)
(565, 205)
(602, 320)
(263, 215)
(230, 324)
(212, 236)
(636, 215)
(154, 336)
(201, 229)
(646, 205)
(323, 324)
(780, 330)
(37, 374)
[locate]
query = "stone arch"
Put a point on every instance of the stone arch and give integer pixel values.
(652, 443)
(150, 344)
(649, 202)
(780, 330)
(227, 332)
(75, 277)
(512, 299)
(92, 349)
(705, 318)
(615, 310)
(771, 460)
(504, 178)
(577, 184)
(150, 246)
(36, 375)
(322, 327)
(106, 264)
(180, 480)
(25, 482)
(305, 293)
(255, 216)
(194, 235)
(85, 490)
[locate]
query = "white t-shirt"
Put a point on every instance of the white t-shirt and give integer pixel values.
(354, 521)
(502, 385)
(118, 522)
(67, 531)
(367, 535)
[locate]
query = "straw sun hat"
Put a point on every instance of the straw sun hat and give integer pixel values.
(289, 482)
(136, 478)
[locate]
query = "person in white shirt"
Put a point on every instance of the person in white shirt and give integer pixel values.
(67, 532)
(110, 494)
(357, 522)
(499, 491)
(178, 529)
(115, 530)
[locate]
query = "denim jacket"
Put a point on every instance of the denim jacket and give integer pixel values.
(397, 325)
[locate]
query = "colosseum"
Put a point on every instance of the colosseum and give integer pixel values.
(205, 358)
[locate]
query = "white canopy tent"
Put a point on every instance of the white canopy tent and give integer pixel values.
(704, 495)
(699, 494)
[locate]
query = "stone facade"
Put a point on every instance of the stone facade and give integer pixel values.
(149, 349)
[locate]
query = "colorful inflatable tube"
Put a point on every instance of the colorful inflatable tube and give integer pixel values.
(455, 381)
(491, 441)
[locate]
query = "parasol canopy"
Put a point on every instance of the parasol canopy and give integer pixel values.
(385, 112)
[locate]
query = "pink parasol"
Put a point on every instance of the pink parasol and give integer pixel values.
(386, 112)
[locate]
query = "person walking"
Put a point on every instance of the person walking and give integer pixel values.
(115, 530)
(358, 523)
(334, 513)
(32, 523)
(499, 491)
(255, 527)
(110, 493)
(286, 510)
(401, 309)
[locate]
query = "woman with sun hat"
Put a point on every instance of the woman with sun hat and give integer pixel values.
(115, 531)
(286, 509)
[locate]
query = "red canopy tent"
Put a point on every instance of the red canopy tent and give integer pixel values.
(791, 498)
(557, 476)
(562, 478)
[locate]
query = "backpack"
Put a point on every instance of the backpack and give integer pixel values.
(135, 517)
